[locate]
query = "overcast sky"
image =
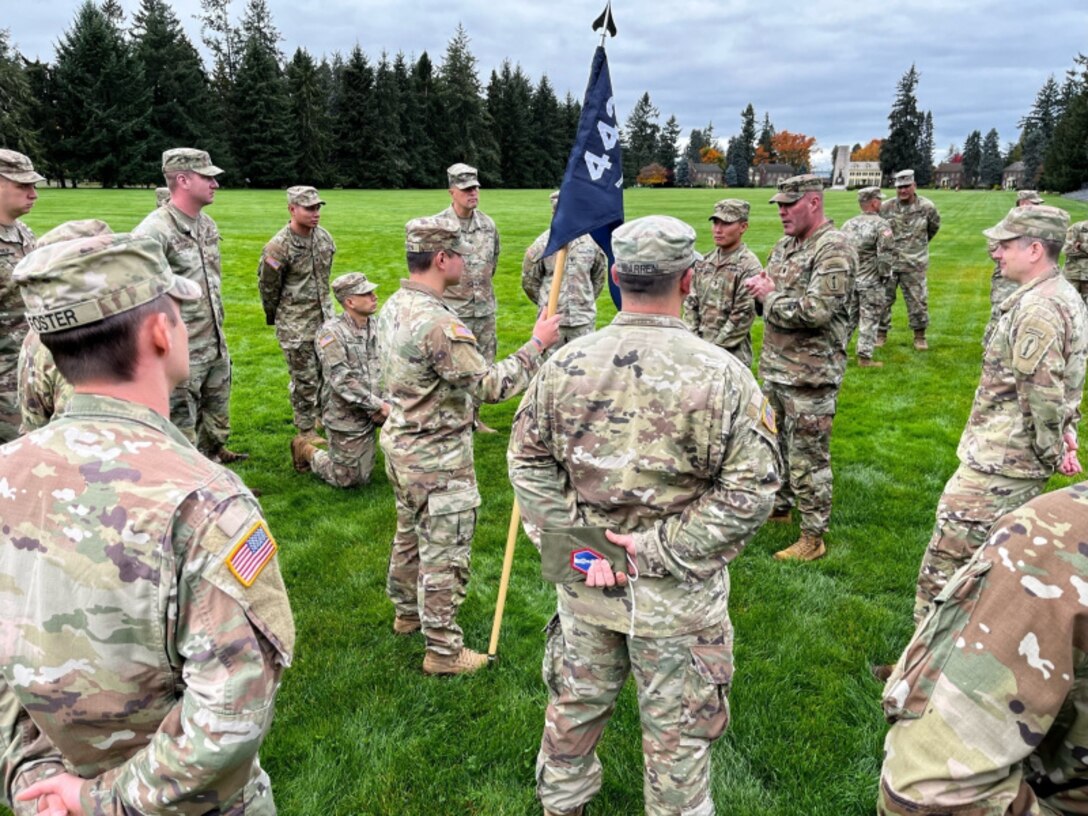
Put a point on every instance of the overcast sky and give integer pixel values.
(828, 69)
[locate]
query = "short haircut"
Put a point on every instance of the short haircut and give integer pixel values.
(650, 286)
(1052, 248)
(421, 261)
(105, 349)
(172, 179)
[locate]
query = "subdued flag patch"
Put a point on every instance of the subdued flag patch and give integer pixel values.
(458, 332)
(766, 415)
(582, 560)
(252, 554)
(268, 260)
(325, 339)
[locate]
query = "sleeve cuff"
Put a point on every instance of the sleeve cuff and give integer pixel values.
(649, 557)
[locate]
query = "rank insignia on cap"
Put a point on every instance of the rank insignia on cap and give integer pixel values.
(766, 416)
(583, 559)
(458, 332)
(252, 554)
(270, 261)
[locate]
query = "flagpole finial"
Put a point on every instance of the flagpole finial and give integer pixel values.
(605, 22)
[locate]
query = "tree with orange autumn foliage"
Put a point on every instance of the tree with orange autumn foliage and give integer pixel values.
(710, 155)
(652, 175)
(794, 149)
(871, 152)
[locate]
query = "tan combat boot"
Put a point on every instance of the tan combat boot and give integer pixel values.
(869, 362)
(807, 548)
(920, 343)
(464, 662)
(881, 339)
(405, 626)
(781, 516)
(302, 453)
(312, 437)
(882, 671)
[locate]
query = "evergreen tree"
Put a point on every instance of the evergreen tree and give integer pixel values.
(48, 160)
(766, 139)
(696, 142)
(905, 125)
(972, 158)
(353, 128)
(923, 173)
(509, 95)
(731, 176)
(668, 148)
(548, 139)
(257, 24)
(570, 113)
(467, 132)
(422, 121)
(745, 149)
(17, 103)
(181, 102)
(225, 42)
(990, 167)
(262, 140)
(640, 136)
(114, 13)
(390, 165)
(1066, 166)
(101, 102)
(310, 123)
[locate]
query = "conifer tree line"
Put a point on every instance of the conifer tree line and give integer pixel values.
(119, 92)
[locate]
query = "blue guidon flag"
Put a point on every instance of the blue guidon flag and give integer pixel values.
(581, 560)
(591, 195)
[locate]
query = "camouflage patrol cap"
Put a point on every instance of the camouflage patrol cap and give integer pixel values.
(869, 193)
(654, 245)
(18, 168)
(434, 233)
(187, 159)
(1029, 196)
(729, 210)
(304, 196)
(794, 188)
(1043, 222)
(70, 230)
(904, 178)
(162, 195)
(462, 176)
(353, 283)
(81, 281)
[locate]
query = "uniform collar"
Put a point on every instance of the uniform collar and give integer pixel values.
(97, 405)
(639, 319)
(1023, 290)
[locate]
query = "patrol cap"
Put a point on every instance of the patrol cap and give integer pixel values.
(1029, 196)
(462, 176)
(654, 245)
(869, 193)
(162, 195)
(353, 283)
(432, 233)
(304, 196)
(1043, 222)
(794, 188)
(70, 230)
(18, 168)
(187, 159)
(904, 178)
(81, 281)
(730, 210)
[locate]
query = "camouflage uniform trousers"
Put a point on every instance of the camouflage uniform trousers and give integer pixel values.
(915, 293)
(804, 417)
(1082, 289)
(10, 415)
(970, 504)
(429, 563)
(484, 327)
(870, 311)
(568, 334)
(200, 406)
(305, 371)
(349, 460)
(683, 686)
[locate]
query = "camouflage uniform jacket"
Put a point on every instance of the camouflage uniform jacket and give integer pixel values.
(993, 687)
(875, 245)
(1032, 382)
(719, 307)
(806, 319)
(130, 654)
(43, 391)
(914, 226)
(432, 372)
(293, 280)
(646, 429)
(192, 249)
(1076, 251)
(583, 278)
(16, 242)
(474, 296)
(351, 373)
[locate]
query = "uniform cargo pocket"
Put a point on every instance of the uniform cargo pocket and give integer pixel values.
(705, 712)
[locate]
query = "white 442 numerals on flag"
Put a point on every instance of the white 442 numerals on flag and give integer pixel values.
(610, 137)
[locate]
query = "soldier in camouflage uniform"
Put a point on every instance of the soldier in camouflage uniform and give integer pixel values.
(1000, 286)
(988, 701)
(683, 482)
(872, 239)
(162, 196)
(1076, 257)
(293, 279)
(145, 622)
(583, 280)
(433, 373)
(200, 406)
(347, 348)
(1023, 423)
(914, 221)
(43, 391)
(719, 308)
(17, 197)
(803, 296)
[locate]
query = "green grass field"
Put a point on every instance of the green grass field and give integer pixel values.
(359, 729)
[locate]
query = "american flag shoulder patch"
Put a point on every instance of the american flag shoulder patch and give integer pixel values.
(456, 331)
(766, 415)
(325, 339)
(268, 260)
(252, 554)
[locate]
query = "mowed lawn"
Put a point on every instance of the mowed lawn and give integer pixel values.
(360, 730)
